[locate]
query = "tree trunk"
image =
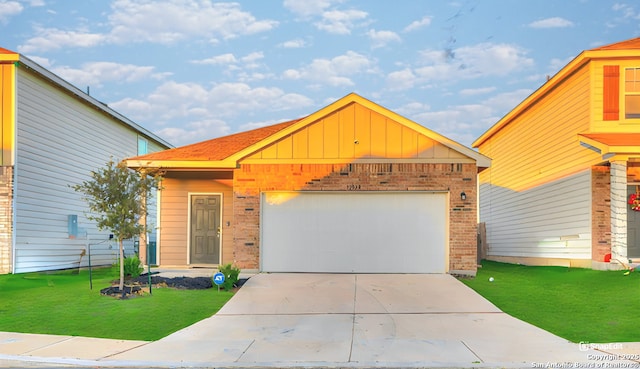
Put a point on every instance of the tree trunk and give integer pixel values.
(121, 265)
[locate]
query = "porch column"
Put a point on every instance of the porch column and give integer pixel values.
(619, 211)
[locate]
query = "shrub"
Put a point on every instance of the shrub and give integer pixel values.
(132, 266)
(231, 274)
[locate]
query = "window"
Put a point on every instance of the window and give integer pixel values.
(632, 93)
(142, 146)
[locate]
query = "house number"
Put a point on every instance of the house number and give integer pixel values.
(353, 187)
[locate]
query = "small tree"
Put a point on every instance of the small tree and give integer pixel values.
(116, 196)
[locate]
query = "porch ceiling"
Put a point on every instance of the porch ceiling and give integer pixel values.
(612, 144)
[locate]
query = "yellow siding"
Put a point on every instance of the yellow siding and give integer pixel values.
(599, 125)
(541, 144)
(7, 88)
(174, 215)
(351, 133)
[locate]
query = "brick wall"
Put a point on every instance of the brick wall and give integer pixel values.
(251, 179)
(600, 212)
(6, 220)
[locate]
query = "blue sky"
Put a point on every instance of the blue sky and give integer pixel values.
(193, 70)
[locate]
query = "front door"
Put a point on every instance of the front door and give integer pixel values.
(205, 229)
(633, 228)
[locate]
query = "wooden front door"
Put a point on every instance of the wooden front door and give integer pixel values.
(205, 229)
(633, 228)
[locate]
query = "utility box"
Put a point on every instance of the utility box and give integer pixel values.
(72, 225)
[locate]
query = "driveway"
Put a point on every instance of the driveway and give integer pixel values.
(352, 320)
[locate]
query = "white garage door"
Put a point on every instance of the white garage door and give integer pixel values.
(354, 232)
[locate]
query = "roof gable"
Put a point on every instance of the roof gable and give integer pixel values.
(353, 133)
(264, 143)
(619, 50)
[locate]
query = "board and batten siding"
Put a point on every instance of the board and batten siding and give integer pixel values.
(548, 221)
(535, 199)
(59, 141)
(173, 243)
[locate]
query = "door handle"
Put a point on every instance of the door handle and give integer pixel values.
(219, 232)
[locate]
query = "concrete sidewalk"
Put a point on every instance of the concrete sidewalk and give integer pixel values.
(334, 320)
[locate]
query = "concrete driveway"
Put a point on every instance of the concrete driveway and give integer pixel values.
(350, 320)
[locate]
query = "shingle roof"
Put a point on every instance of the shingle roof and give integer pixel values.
(630, 44)
(217, 148)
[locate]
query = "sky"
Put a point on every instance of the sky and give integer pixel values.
(192, 70)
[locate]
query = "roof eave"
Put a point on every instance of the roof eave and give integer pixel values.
(182, 164)
(24, 61)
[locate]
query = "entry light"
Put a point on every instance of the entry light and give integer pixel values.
(463, 196)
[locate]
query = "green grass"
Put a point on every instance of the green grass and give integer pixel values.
(62, 303)
(576, 304)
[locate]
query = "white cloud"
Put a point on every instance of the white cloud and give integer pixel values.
(306, 8)
(628, 11)
(9, 9)
(205, 110)
(416, 25)
(96, 73)
(382, 38)
(294, 44)
(253, 57)
(467, 62)
(331, 18)
(43, 62)
(464, 123)
(54, 39)
(157, 22)
(195, 131)
(334, 72)
(170, 21)
(476, 91)
(340, 22)
(401, 80)
(217, 60)
(554, 22)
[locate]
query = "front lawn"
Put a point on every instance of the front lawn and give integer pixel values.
(576, 304)
(62, 303)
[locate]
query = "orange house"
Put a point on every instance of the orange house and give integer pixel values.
(353, 187)
(565, 163)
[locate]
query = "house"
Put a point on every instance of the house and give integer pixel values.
(564, 164)
(353, 187)
(53, 135)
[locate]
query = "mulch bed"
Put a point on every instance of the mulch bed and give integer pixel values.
(186, 283)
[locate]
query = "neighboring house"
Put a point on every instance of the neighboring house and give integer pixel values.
(564, 162)
(53, 135)
(353, 187)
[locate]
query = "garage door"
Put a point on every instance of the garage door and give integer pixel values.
(354, 232)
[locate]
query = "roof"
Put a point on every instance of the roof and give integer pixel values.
(226, 152)
(625, 48)
(630, 44)
(217, 148)
(23, 62)
(611, 143)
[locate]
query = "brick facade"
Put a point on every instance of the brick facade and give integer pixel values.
(600, 212)
(251, 179)
(6, 218)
